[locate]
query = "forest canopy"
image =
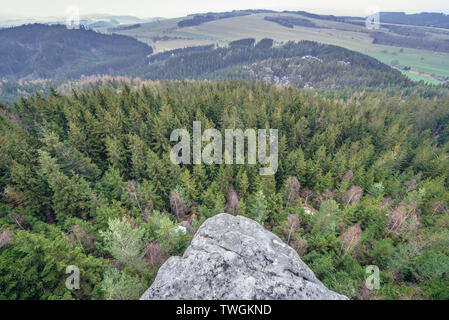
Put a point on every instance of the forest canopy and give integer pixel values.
(86, 180)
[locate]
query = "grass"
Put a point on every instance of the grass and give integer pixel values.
(418, 77)
(428, 62)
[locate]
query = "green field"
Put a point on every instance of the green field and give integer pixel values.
(425, 65)
(418, 77)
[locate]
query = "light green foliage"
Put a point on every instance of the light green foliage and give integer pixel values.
(376, 190)
(124, 242)
(188, 186)
(171, 239)
(326, 219)
(105, 212)
(213, 201)
(258, 210)
(118, 285)
(242, 184)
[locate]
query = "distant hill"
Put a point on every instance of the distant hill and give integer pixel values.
(42, 51)
(39, 51)
(98, 22)
(429, 19)
(304, 64)
(407, 42)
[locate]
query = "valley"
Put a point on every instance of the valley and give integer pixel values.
(107, 173)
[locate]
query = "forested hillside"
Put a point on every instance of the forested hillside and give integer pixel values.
(86, 180)
(10, 92)
(304, 64)
(40, 51)
(433, 19)
(317, 65)
(408, 41)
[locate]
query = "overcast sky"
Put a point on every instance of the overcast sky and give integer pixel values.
(177, 8)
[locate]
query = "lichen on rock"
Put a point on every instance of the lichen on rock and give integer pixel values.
(233, 257)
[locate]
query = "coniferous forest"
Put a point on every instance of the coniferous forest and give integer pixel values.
(86, 180)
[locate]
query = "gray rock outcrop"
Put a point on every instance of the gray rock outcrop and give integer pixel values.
(233, 257)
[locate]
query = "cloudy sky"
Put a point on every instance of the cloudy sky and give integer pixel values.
(177, 8)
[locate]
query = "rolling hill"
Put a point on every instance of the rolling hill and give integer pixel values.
(416, 48)
(408, 43)
(304, 64)
(53, 52)
(41, 51)
(98, 22)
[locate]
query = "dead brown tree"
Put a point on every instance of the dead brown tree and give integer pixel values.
(293, 225)
(21, 222)
(347, 176)
(5, 238)
(351, 238)
(291, 191)
(178, 207)
(154, 255)
(232, 201)
(439, 207)
(306, 194)
(353, 195)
